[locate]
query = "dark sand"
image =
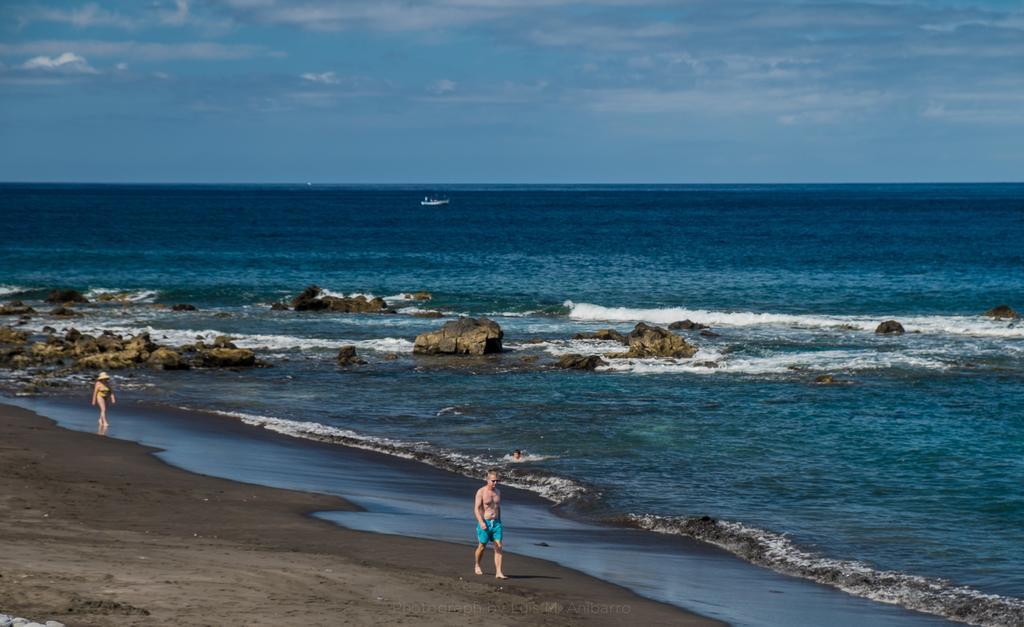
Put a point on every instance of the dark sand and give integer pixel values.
(96, 531)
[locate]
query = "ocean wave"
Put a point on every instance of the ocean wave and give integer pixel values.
(948, 325)
(327, 292)
(122, 294)
(552, 487)
(777, 552)
(712, 362)
(10, 290)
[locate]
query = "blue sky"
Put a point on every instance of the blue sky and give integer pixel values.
(543, 91)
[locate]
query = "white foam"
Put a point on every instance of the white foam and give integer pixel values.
(6, 290)
(782, 363)
(124, 294)
(366, 295)
(556, 489)
(776, 551)
(948, 325)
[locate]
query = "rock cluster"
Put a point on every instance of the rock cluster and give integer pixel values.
(312, 299)
(113, 352)
(465, 336)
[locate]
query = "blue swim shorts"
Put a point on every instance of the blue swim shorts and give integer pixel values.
(493, 531)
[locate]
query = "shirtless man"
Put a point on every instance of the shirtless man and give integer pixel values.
(487, 509)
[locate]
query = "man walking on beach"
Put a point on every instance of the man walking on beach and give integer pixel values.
(487, 509)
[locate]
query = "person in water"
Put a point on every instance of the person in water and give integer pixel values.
(517, 455)
(487, 509)
(101, 393)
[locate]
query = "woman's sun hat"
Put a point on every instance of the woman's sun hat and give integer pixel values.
(103, 376)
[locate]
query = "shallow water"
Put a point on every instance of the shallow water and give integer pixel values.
(914, 465)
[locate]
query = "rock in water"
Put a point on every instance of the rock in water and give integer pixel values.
(184, 307)
(573, 361)
(309, 300)
(64, 312)
(652, 341)
(65, 296)
(228, 358)
(347, 356)
(15, 308)
(1002, 312)
(167, 359)
(279, 307)
(602, 334)
(687, 325)
(890, 327)
(9, 335)
(825, 379)
(465, 336)
(418, 295)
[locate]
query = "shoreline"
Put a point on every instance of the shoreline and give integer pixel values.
(385, 495)
(98, 530)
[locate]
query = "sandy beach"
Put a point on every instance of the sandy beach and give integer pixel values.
(96, 531)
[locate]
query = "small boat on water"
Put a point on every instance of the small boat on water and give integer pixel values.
(433, 202)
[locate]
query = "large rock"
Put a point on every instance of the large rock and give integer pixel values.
(573, 361)
(227, 358)
(890, 327)
(166, 359)
(347, 356)
(652, 341)
(465, 336)
(15, 308)
(1002, 312)
(66, 296)
(602, 334)
(9, 335)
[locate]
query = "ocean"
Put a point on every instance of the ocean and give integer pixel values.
(901, 482)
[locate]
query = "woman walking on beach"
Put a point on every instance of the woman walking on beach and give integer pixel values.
(100, 393)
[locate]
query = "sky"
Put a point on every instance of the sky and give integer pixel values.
(512, 91)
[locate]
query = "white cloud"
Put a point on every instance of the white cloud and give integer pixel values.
(135, 50)
(326, 78)
(177, 17)
(89, 15)
(68, 62)
(443, 86)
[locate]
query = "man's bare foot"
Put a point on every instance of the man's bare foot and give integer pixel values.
(500, 576)
(478, 570)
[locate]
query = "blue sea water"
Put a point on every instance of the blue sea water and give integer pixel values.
(912, 466)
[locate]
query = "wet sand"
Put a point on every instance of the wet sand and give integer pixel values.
(97, 531)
